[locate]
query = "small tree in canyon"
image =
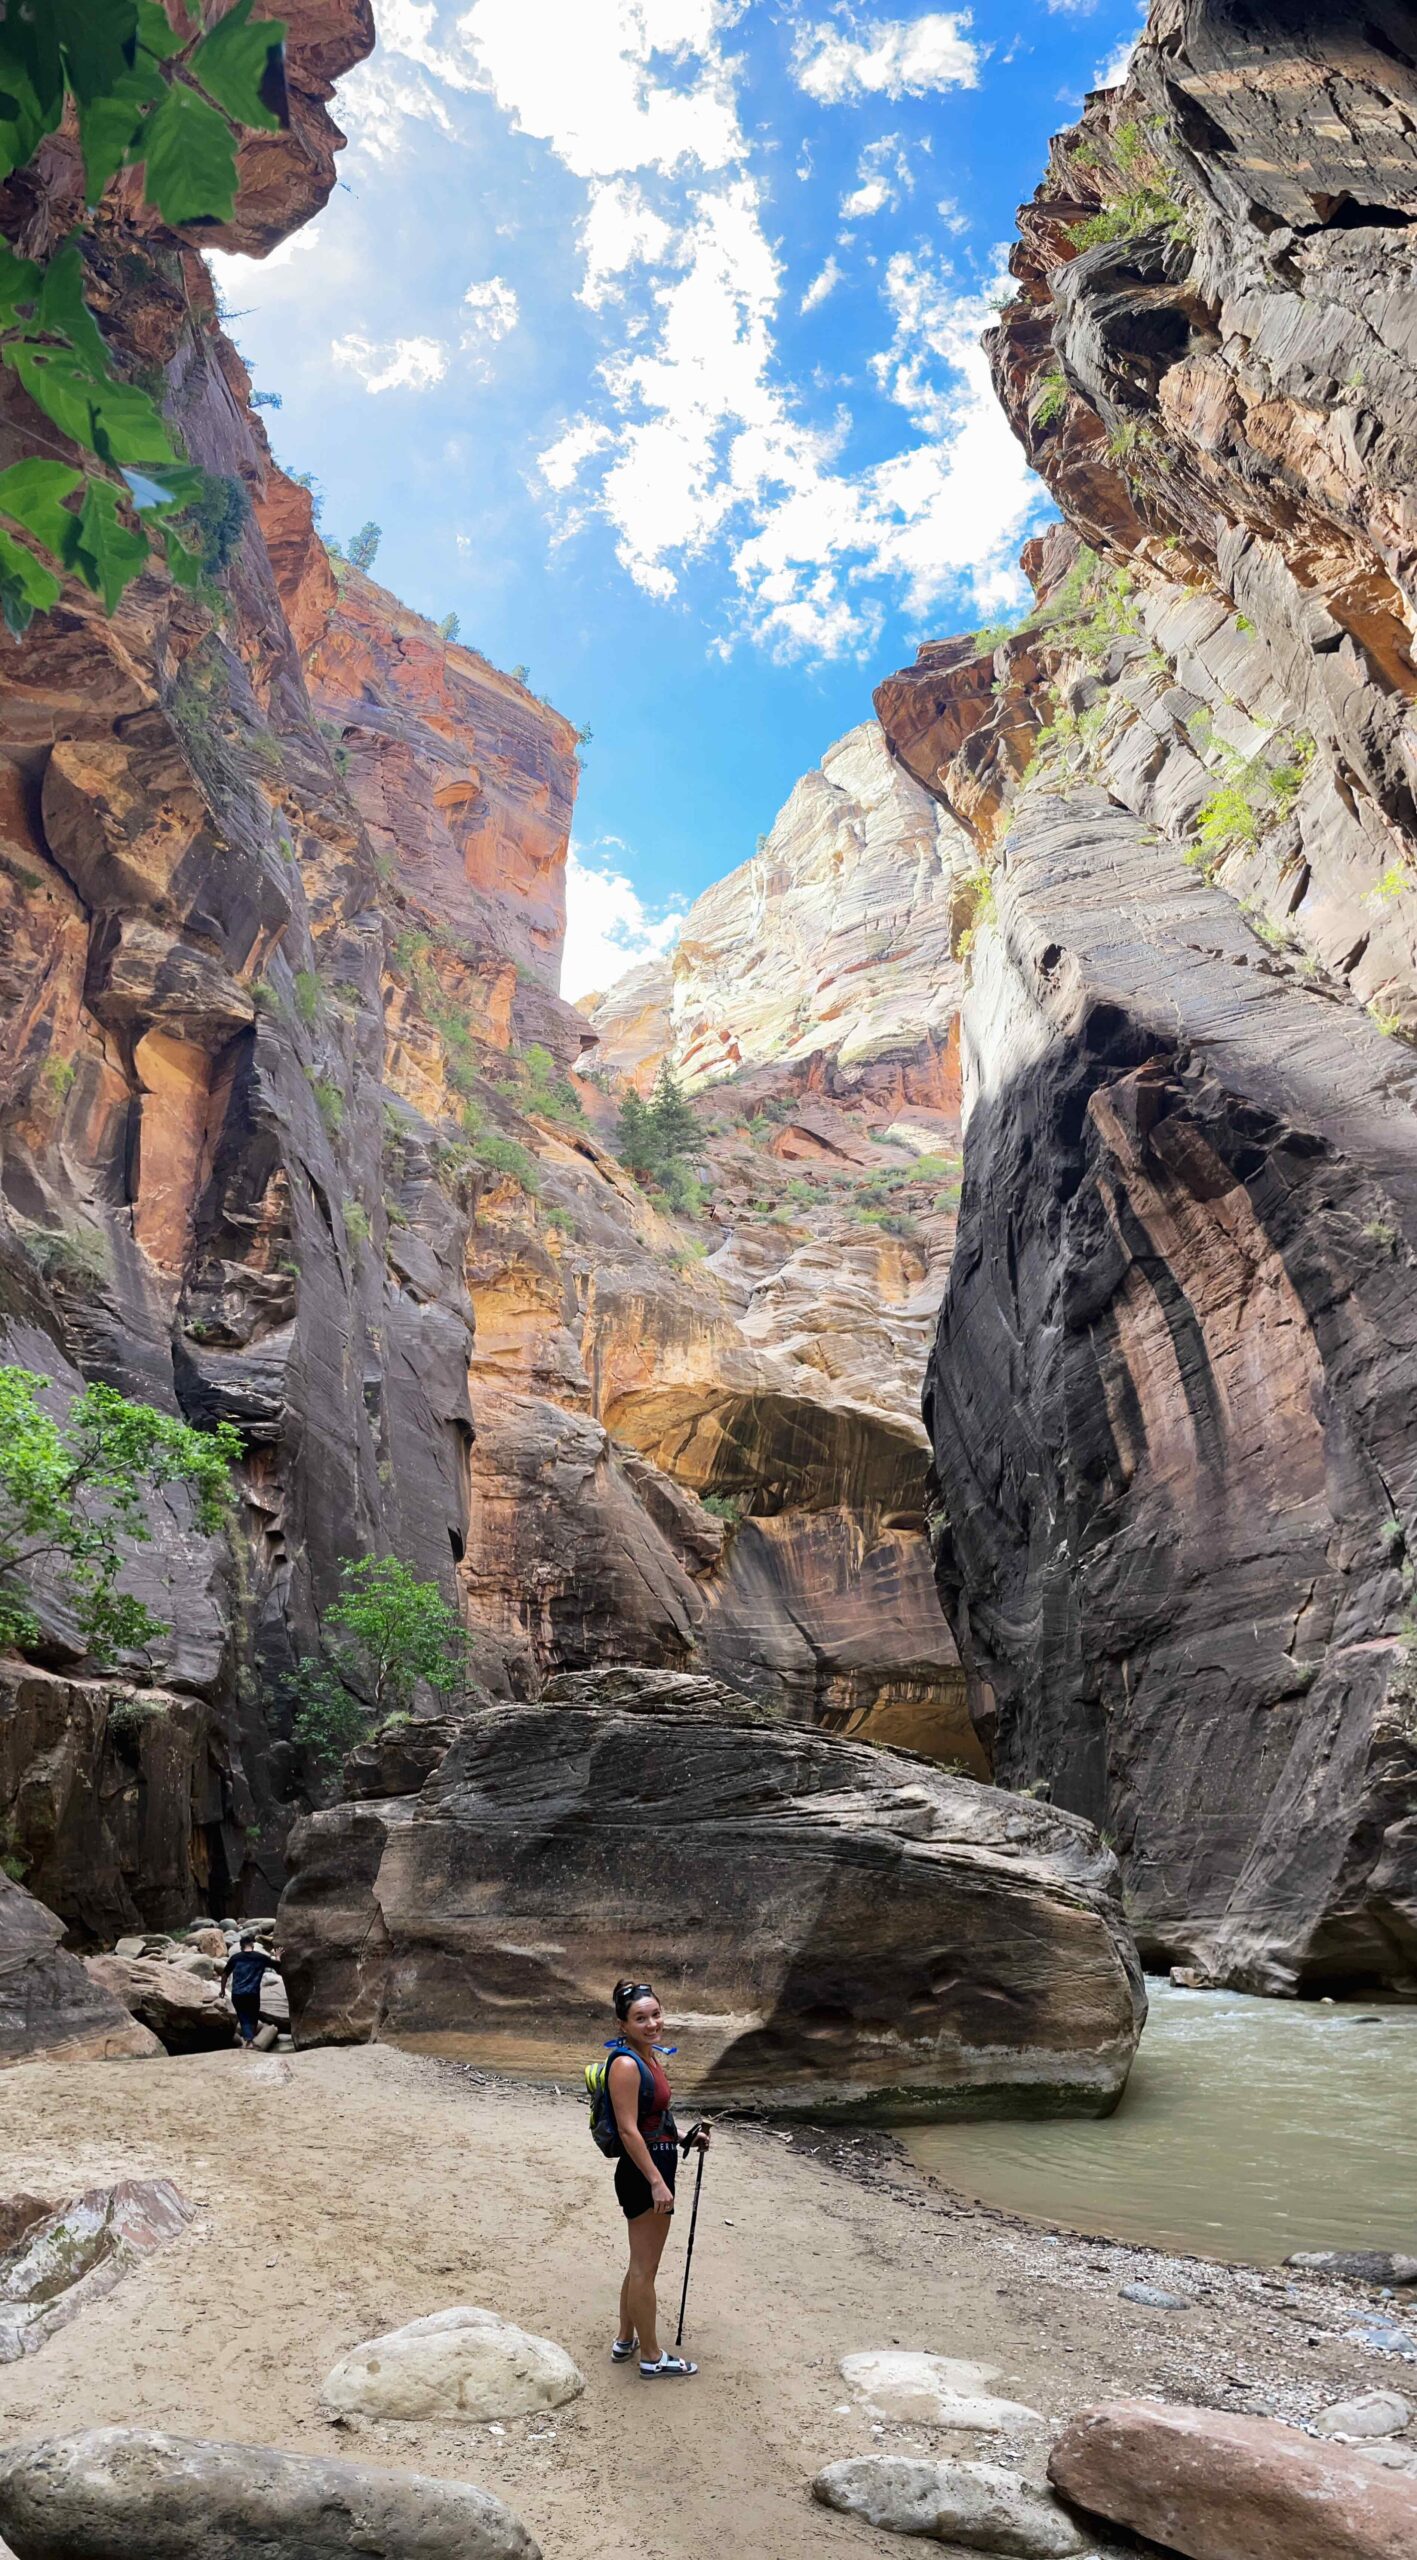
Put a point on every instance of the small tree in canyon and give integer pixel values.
(660, 1142)
(74, 1493)
(392, 1632)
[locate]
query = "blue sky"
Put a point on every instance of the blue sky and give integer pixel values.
(647, 331)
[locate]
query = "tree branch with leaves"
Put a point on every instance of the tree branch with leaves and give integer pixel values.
(75, 1494)
(172, 100)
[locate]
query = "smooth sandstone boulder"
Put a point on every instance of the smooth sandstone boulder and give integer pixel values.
(183, 2010)
(931, 2391)
(1216, 2487)
(51, 2010)
(973, 2506)
(117, 2492)
(1372, 2413)
(463, 2363)
(844, 1930)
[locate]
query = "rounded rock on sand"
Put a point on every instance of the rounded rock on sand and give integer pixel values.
(913, 2389)
(462, 2364)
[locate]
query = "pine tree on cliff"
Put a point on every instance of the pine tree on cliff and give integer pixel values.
(675, 1128)
(635, 1141)
(363, 550)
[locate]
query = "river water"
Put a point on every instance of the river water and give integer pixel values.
(1249, 2128)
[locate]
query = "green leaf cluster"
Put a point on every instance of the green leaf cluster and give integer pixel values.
(391, 1632)
(140, 92)
(72, 1493)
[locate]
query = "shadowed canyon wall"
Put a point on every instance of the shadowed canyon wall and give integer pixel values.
(212, 1193)
(1172, 1393)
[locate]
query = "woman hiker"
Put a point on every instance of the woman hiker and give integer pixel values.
(644, 2175)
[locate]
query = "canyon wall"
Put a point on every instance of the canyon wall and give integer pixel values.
(698, 1438)
(221, 1189)
(1173, 1389)
(287, 1140)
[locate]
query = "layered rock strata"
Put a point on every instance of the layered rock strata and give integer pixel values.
(1171, 1396)
(810, 1007)
(839, 1930)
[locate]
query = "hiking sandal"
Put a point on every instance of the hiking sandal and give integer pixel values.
(666, 2367)
(623, 2349)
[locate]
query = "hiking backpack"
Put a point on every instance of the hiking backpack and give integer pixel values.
(604, 2131)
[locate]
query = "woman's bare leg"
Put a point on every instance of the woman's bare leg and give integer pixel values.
(626, 2329)
(648, 2233)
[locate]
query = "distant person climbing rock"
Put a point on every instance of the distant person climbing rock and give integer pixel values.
(247, 1969)
(638, 2089)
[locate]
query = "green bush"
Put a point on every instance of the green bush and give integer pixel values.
(330, 1102)
(727, 1507)
(1051, 398)
(307, 995)
(72, 1493)
(356, 1222)
(509, 1163)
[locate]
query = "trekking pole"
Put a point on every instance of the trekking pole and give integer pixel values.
(689, 2252)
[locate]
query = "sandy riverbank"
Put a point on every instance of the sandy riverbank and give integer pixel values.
(343, 2192)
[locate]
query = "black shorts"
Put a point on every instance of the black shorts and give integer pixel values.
(632, 2186)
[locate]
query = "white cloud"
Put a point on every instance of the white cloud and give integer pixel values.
(951, 216)
(690, 440)
(494, 308)
(620, 230)
(393, 364)
(883, 178)
(1111, 73)
(609, 929)
(578, 74)
(494, 313)
(821, 285)
(894, 57)
(562, 462)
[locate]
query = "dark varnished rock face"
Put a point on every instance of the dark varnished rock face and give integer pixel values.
(1168, 1474)
(844, 1930)
(50, 2009)
(1172, 1393)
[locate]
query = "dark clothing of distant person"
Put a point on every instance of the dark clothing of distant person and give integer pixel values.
(248, 1969)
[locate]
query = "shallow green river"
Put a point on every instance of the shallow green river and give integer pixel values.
(1249, 2128)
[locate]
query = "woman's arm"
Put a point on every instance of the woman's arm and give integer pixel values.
(625, 2099)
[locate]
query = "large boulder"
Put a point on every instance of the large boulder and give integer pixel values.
(114, 2492)
(459, 2364)
(846, 1930)
(1217, 2487)
(973, 2506)
(51, 2010)
(186, 2013)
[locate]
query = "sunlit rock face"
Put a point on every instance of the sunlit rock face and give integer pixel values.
(1171, 1397)
(835, 937)
(810, 1006)
(464, 779)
